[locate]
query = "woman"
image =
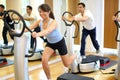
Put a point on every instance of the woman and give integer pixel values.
(116, 18)
(55, 39)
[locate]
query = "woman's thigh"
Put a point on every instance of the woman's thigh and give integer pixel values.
(47, 53)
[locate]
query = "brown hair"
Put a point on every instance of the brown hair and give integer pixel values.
(46, 8)
(30, 7)
(82, 4)
(2, 6)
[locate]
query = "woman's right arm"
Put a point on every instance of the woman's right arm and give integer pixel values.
(34, 25)
(116, 18)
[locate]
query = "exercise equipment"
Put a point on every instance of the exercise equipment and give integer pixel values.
(117, 72)
(91, 63)
(104, 61)
(37, 56)
(69, 24)
(69, 37)
(3, 61)
(69, 76)
(38, 52)
(6, 51)
(20, 45)
(99, 62)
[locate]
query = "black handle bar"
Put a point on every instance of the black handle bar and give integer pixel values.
(117, 25)
(13, 33)
(70, 23)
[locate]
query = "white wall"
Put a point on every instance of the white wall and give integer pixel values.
(35, 4)
(1, 22)
(59, 6)
(17, 5)
(3, 2)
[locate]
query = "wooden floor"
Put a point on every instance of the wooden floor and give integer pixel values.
(36, 72)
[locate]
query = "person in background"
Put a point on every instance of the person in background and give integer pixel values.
(49, 29)
(30, 18)
(5, 30)
(89, 27)
(116, 18)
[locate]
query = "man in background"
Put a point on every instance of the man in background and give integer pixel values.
(5, 30)
(30, 18)
(89, 28)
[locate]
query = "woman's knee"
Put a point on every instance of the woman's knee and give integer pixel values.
(66, 64)
(44, 60)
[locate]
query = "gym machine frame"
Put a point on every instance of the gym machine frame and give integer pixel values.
(117, 72)
(78, 65)
(69, 32)
(20, 46)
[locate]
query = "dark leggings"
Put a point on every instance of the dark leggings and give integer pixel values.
(4, 33)
(92, 34)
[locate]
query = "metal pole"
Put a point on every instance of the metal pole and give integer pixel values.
(117, 73)
(118, 68)
(20, 62)
(70, 47)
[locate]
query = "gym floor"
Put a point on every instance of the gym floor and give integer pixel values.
(56, 67)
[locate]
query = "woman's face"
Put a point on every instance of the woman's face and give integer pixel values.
(44, 14)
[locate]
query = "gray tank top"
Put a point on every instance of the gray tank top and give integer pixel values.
(53, 37)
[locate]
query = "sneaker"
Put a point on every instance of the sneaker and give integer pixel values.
(98, 51)
(66, 69)
(79, 59)
(83, 57)
(31, 50)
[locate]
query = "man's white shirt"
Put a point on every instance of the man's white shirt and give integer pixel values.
(89, 24)
(32, 15)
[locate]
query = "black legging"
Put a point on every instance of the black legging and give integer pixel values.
(5, 29)
(4, 33)
(92, 34)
